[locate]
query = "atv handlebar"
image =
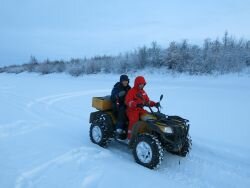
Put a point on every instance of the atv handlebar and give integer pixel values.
(151, 110)
(147, 105)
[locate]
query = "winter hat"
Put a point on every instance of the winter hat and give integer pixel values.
(124, 78)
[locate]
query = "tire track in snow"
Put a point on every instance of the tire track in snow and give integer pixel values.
(51, 99)
(28, 122)
(48, 102)
(88, 161)
(19, 127)
(204, 159)
(37, 120)
(73, 161)
(31, 177)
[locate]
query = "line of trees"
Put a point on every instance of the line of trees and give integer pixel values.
(224, 55)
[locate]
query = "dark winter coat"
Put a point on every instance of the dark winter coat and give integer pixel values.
(116, 100)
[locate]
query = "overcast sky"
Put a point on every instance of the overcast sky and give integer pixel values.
(60, 29)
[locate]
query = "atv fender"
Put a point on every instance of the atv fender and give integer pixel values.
(107, 114)
(139, 128)
(94, 115)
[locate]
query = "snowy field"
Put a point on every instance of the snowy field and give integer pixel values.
(44, 139)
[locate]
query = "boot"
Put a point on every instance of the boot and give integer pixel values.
(120, 134)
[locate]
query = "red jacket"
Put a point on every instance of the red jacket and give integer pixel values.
(132, 98)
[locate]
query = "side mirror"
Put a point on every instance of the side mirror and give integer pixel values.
(161, 97)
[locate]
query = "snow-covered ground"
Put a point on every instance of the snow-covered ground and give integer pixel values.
(44, 139)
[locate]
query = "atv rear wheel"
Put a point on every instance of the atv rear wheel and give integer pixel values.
(100, 133)
(147, 151)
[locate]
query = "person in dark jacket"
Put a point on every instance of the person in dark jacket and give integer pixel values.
(118, 94)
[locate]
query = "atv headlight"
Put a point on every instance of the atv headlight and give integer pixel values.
(168, 130)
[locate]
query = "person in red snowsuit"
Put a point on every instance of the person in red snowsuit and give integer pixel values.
(135, 100)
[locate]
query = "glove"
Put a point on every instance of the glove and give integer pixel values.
(157, 105)
(121, 93)
(139, 105)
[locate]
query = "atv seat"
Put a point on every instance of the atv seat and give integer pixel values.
(146, 117)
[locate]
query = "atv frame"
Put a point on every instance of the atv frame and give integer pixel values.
(150, 135)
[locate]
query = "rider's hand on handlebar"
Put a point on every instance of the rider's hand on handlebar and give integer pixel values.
(157, 105)
(140, 105)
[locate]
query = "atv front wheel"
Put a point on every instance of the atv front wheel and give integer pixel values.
(147, 151)
(185, 148)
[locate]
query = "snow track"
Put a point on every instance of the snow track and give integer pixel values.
(51, 99)
(19, 127)
(73, 161)
(44, 136)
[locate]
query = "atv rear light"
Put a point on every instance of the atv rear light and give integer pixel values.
(167, 130)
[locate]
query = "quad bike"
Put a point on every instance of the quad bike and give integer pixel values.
(154, 132)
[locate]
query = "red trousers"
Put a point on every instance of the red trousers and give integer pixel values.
(134, 116)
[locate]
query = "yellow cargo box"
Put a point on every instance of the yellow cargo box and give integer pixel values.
(102, 103)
